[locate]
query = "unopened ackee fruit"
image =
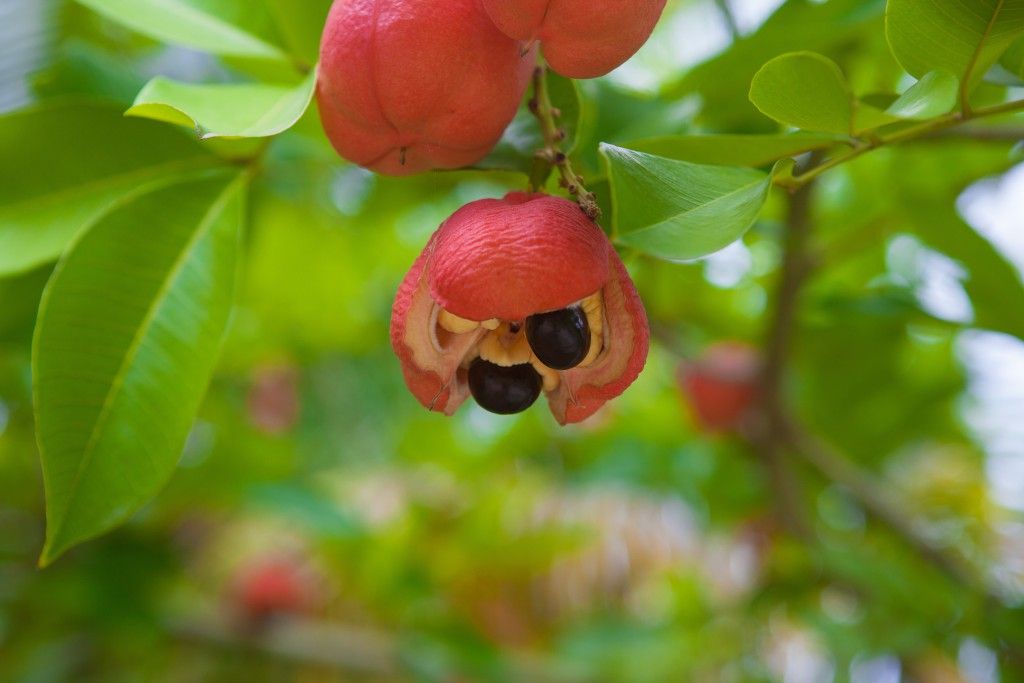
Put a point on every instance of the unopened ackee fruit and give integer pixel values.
(272, 587)
(580, 38)
(516, 297)
(406, 86)
(721, 386)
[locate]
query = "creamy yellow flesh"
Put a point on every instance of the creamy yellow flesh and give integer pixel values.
(507, 346)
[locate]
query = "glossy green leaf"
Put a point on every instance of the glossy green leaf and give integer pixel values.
(797, 25)
(962, 38)
(250, 110)
(680, 211)
(868, 117)
(804, 90)
(808, 91)
(83, 70)
(934, 95)
(301, 23)
(129, 330)
(75, 162)
(224, 27)
(734, 150)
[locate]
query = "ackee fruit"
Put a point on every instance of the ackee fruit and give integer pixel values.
(516, 297)
(406, 86)
(580, 38)
(721, 386)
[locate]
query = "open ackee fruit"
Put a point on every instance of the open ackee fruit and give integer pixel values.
(516, 297)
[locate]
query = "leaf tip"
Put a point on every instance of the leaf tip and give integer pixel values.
(50, 552)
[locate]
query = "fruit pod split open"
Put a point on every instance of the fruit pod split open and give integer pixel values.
(516, 297)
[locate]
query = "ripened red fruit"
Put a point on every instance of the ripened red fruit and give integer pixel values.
(721, 386)
(580, 38)
(406, 86)
(515, 297)
(272, 587)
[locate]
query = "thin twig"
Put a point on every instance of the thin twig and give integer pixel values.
(552, 155)
(983, 133)
(922, 130)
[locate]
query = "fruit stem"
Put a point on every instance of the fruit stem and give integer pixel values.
(552, 156)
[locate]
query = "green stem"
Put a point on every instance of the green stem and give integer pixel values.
(921, 130)
(552, 156)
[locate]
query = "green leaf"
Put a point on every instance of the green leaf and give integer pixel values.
(249, 110)
(680, 211)
(934, 95)
(302, 24)
(223, 27)
(867, 117)
(797, 25)
(74, 163)
(809, 91)
(515, 151)
(129, 330)
(804, 90)
(1013, 59)
(734, 150)
(963, 38)
(83, 70)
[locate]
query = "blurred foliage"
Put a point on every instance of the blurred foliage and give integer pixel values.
(632, 548)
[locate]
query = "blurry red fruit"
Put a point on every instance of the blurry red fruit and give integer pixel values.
(722, 385)
(272, 588)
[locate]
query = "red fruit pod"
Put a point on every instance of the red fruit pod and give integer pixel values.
(488, 274)
(721, 387)
(272, 587)
(406, 86)
(580, 38)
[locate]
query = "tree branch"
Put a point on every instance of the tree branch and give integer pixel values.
(769, 436)
(916, 132)
(874, 498)
(983, 133)
(782, 435)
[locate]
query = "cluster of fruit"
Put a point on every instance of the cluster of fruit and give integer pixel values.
(411, 85)
(510, 297)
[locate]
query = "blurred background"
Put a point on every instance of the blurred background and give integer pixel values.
(323, 526)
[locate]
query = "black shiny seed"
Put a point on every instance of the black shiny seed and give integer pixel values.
(503, 390)
(560, 339)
